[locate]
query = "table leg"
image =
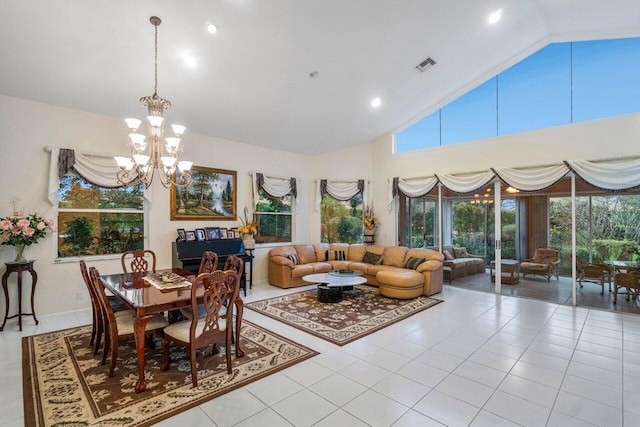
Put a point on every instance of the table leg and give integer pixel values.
(20, 300)
(139, 326)
(34, 281)
(5, 276)
(239, 309)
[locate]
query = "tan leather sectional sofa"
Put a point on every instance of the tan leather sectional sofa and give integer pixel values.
(288, 264)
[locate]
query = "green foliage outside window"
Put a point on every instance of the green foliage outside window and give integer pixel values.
(94, 220)
(341, 221)
(274, 218)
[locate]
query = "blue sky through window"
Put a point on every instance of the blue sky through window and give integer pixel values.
(560, 84)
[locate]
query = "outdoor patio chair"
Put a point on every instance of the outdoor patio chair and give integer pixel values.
(545, 263)
(629, 281)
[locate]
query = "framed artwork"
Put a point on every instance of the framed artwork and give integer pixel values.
(200, 234)
(210, 196)
(230, 234)
(236, 233)
(211, 233)
(190, 236)
(223, 233)
(182, 235)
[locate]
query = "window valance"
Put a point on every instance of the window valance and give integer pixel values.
(340, 190)
(98, 169)
(274, 187)
(612, 175)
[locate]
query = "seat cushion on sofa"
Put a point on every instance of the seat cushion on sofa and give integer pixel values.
(461, 262)
(400, 283)
(321, 267)
(306, 254)
(394, 256)
(301, 270)
(534, 266)
(340, 265)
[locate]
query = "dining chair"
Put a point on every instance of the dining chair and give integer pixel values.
(236, 264)
(118, 325)
(208, 264)
(630, 281)
(138, 261)
(215, 327)
(97, 327)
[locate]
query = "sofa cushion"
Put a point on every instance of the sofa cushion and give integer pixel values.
(356, 252)
(447, 255)
(371, 258)
(321, 251)
(460, 252)
(294, 259)
(394, 255)
(413, 263)
(301, 270)
(332, 255)
(306, 254)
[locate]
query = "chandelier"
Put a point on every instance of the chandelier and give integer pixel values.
(154, 153)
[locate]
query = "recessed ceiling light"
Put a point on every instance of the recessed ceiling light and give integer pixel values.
(376, 102)
(190, 61)
(211, 27)
(494, 17)
(314, 75)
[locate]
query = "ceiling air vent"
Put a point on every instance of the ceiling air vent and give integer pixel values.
(426, 64)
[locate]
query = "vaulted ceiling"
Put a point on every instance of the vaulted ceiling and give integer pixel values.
(250, 81)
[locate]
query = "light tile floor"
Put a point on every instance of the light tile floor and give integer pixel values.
(477, 359)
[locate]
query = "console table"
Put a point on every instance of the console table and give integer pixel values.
(19, 267)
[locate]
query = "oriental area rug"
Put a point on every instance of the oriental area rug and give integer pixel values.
(64, 384)
(361, 312)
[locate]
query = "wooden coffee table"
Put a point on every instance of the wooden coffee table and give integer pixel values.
(510, 271)
(331, 285)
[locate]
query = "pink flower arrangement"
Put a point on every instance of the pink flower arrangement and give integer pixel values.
(26, 230)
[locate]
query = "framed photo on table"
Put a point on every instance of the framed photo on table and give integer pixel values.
(212, 233)
(222, 233)
(230, 234)
(200, 234)
(211, 196)
(190, 236)
(182, 236)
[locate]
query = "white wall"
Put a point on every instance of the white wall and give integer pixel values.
(26, 128)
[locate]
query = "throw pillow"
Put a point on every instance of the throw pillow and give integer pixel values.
(413, 263)
(294, 259)
(371, 258)
(447, 255)
(460, 252)
(335, 256)
(379, 262)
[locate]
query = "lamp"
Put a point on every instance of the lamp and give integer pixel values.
(154, 153)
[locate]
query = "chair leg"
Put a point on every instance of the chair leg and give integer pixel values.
(99, 332)
(228, 349)
(94, 326)
(166, 358)
(107, 343)
(194, 366)
(114, 355)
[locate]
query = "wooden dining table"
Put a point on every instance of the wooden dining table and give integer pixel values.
(146, 300)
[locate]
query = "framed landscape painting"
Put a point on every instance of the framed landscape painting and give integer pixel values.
(210, 196)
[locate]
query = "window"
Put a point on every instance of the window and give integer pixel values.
(420, 225)
(274, 218)
(560, 84)
(94, 220)
(341, 221)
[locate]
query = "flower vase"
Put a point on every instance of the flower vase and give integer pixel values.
(249, 241)
(19, 253)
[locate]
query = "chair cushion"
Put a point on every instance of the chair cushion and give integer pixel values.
(180, 330)
(124, 319)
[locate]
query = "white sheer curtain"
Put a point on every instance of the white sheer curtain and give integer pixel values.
(611, 175)
(532, 179)
(99, 169)
(341, 190)
(466, 183)
(411, 187)
(275, 187)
